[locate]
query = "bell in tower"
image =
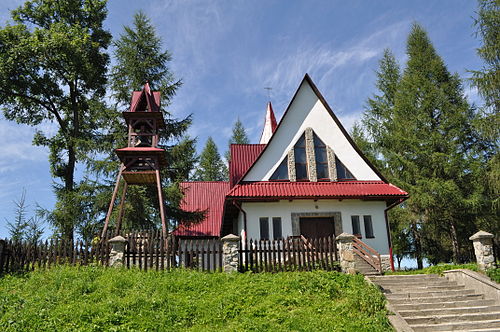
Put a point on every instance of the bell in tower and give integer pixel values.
(141, 160)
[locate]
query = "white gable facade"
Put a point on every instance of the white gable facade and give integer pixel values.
(313, 205)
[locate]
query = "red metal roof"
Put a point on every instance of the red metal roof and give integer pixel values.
(200, 196)
(343, 189)
(242, 157)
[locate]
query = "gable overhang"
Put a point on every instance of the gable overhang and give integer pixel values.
(307, 80)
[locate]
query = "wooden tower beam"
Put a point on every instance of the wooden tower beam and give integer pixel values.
(113, 199)
(120, 209)
(162, 207)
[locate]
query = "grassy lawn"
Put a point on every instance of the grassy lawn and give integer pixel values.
(98, 299)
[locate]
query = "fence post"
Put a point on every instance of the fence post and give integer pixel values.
(346, 254)
(483, 248)
(116, 256)
(230, 259)
(3, 245)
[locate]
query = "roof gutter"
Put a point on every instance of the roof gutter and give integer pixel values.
(238, 206)
(388, 228)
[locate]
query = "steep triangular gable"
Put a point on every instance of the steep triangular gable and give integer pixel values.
(308, 109)
(145, 100)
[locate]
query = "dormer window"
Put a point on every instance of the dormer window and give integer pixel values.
(311, 160)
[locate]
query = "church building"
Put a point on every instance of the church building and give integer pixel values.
(305, 177)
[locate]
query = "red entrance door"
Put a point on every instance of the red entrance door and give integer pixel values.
(317, 227)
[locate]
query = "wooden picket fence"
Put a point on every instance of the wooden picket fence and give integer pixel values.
(23, 256)
(291, 254)
(143, 250)
(147, 250)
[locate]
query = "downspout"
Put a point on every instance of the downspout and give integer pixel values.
(238, 206)
(388, 228)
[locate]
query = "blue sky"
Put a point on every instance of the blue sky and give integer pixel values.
(226, 52)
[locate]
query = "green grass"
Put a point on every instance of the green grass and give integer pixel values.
(438, 269)
(494, 274)
(99, 299)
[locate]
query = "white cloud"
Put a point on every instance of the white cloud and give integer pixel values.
(322, 60)
(17, 147)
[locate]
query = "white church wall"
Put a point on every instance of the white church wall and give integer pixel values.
(347, 208)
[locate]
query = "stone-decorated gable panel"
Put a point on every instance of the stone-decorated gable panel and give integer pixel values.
(308, 111)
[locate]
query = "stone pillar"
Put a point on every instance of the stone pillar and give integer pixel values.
(230, 256)
(332, 166)
(311, 155)
(117, 251)
(346, 254)
(292, 175)
(385, 261)
(483, 248)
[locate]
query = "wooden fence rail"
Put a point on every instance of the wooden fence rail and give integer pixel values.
(291, 254)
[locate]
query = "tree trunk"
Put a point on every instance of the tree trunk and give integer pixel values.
(69, 187)
(418, 245)
(454, 243)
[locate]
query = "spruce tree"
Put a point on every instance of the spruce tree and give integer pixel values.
(239, 137)
(140, 56)
(423, 134)
(211, 166)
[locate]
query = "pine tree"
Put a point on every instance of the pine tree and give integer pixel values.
(422, 131)
(487, 81)
(17, 228)
(239, 137)
(211, 166)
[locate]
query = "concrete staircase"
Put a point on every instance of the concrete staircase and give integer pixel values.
(364, 268)
(431, 303)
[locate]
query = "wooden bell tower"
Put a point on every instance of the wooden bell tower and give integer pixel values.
(141, 160)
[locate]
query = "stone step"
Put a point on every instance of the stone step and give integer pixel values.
(423, 288)
(449, 311)
(435, 299)
(406, 276)
(390, 284)
(439, 319)
(491, 325)
(428, 294)
(444, 305)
